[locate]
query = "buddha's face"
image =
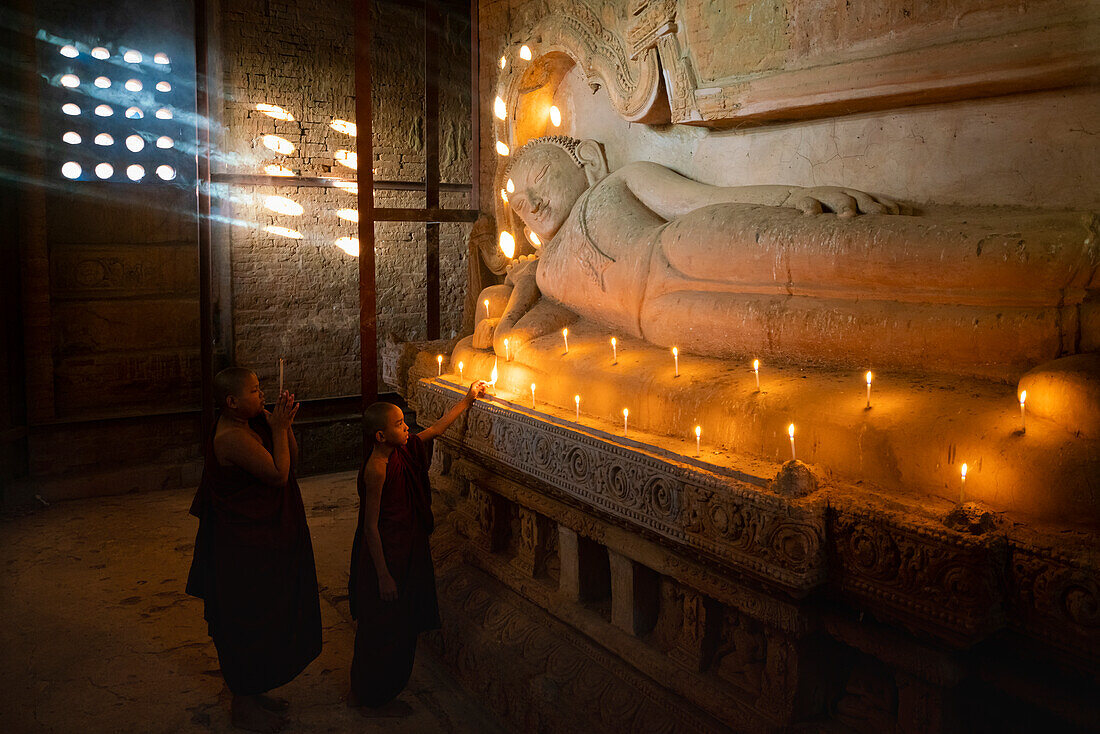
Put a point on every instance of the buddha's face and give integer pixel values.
(547, 183)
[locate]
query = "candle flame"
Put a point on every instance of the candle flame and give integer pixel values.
(675, 352)
(510, 186)
(493, 374)
(613, 342)
(503, 62)
(460, 366)
(502, 149)
(869, 376)
(1023, 397)
(698, 431)
(439, 358)
(504, 196)
(555, 116)
(755, 364)
(577, 399)
(525, 53)
(534, 239)
(532, 388)
(499, 108)
(508, 244)
(565, 332)
(790, 430)
(964, 471)
(626, 412)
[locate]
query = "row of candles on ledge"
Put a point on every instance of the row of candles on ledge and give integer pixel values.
(869, 377)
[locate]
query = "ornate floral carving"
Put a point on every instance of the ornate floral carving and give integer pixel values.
(736, 524)
(920, 575)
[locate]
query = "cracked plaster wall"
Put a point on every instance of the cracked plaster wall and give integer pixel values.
(1038, 149)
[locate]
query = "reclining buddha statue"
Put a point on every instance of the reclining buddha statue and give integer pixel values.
(824, 275)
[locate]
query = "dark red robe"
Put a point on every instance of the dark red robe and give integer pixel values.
(385, 639)
(254, 568)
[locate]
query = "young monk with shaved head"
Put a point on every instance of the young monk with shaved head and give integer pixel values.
(392, 584)
(253, 563)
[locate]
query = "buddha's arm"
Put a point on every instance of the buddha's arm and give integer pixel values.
(670, 195)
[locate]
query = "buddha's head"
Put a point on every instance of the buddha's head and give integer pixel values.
(548, 176)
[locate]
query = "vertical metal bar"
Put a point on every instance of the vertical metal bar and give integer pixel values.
(202, 209)
(368, 318)
(432, 26)
(475, 107)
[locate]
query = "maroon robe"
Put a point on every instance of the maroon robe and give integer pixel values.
(254, 569)
(385, 639)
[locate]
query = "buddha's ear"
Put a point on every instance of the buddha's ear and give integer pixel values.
(594, 161)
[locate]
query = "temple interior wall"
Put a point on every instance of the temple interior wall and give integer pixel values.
(299, 298)
(1028, 149)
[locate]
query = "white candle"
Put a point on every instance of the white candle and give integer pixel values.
(869, 377)
(486, 302)
(756, 369)
(698, 435)
(676, 360)
(790, 432)
(565, 336)
(532, 395)
(962, 487)
(626, 415)
(577, 400)
(439, 365)
(614, 351)
(460, 366)
(280, 377)
(507, 352)
(1023, 415)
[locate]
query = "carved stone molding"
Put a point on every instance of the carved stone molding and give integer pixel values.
(924, 577)
(736, 525)
(633, 81)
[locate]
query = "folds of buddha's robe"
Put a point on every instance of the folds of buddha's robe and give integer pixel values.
(385, 640)
(254, 569)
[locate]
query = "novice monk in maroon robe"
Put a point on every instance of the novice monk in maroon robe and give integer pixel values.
(253, 563)
(392, 584)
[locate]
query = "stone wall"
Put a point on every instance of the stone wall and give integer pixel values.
(298, 298)
(988, 144)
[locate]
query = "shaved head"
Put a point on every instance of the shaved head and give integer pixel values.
(230, 382)
(377, 417)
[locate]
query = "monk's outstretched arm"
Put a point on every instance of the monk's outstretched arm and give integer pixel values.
(436, 429)
(671, 195)
(375, 476)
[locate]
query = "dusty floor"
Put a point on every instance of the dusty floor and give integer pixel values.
(97, 635)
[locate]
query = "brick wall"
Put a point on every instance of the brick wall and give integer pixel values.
(299, 298)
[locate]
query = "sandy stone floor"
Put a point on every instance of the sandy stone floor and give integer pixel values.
(97, 635)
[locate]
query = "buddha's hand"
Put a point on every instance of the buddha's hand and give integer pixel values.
(523, 270)
(484, 333)
(845, 203)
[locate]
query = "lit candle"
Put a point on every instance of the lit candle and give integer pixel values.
(790, 432)
(869, 377)
(962, 487)
(525, 53)
(1023, 415)
(439, 365)
(565, 336)
(493, 375)
(507, 352)
(532, 395)
(614, 351)
(280, 377)
(676, 360)
(577, 401)
(486, 302)
(460, 366)
(626, 415)
(698, 435)
(756, 369)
